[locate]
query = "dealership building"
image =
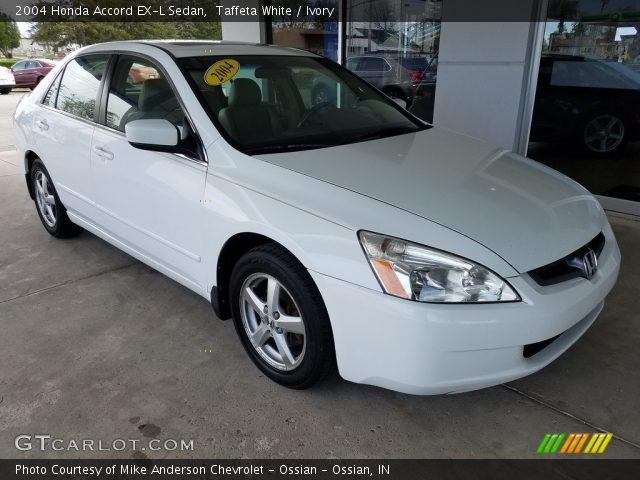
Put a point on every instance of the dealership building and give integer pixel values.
(555, 80)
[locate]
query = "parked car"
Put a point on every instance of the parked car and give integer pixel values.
(424, 98)
(384, 72)
(591, 102)
(7, 82)
(416, 259)
(29, 73)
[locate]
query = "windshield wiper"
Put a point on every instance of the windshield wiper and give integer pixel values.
(382, 133)
(284, 148)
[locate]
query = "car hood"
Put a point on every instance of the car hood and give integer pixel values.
(528, 214)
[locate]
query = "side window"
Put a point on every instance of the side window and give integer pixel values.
(138, 91)
(352, 63)
(50, 98)
(19, 66)
(31, 64)
(79, 86)
(373, 64)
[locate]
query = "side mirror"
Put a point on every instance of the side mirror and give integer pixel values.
(152, 134)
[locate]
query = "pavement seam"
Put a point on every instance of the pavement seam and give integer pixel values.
(567, 414)
(69, 282)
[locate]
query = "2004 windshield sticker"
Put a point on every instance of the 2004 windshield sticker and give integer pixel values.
(221, 71)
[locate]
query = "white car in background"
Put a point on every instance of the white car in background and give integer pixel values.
(7, 81)
(346, 231)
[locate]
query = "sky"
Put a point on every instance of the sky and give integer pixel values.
(24, 28)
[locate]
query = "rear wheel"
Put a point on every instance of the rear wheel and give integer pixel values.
(5, 91)
(280, 317)
(50, 210)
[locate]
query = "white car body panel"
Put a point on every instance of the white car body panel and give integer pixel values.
(471, 185)
(504, 212)
(7, 79)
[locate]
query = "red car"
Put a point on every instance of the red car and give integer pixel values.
(28, 73)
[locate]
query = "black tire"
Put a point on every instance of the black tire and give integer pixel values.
(588, 130)
(5, 91)
(319, 356)
(62, 227)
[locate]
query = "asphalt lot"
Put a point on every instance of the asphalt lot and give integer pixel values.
(95, 345)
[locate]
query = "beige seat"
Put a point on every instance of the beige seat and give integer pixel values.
(247, 117)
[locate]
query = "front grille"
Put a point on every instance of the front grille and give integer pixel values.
(567, 268)
(531, 349)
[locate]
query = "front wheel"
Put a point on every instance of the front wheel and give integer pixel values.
(50, 210)
(280, 317)
(604, 134)
(5, 91)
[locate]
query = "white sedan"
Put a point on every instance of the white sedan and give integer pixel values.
(7, 81)
(344, 232)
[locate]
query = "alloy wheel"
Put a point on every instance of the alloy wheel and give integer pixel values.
(272, 321)
(604, 133)
(45, 199)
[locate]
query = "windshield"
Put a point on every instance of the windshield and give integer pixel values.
(269, 104)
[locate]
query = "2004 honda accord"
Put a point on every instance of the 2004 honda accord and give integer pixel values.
(345, 231)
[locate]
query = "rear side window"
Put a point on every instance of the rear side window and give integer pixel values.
(51, 96)
(79, 86)
(373, 64)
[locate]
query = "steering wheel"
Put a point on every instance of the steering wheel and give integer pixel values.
(314, 111)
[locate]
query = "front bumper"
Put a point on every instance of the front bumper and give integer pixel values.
(7, 84)
(426, 349)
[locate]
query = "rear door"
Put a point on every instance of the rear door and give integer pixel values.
(149, 200)
(63, 129)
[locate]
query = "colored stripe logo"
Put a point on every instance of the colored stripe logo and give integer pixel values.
(574, 443)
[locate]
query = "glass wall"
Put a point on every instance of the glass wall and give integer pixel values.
(318, 36)
(586, 119)
(393, 44)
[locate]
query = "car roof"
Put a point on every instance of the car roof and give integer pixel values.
(194, 48)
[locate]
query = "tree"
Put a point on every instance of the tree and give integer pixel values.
(9, 36)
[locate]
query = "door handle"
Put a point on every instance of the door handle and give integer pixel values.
(103, 153)
(43, 125)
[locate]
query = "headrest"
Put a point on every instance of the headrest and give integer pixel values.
(153, 91)
(244, 91)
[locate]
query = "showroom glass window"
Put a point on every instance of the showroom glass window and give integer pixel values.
(401, 37)
(586, 117)
(79, 86)
(394, 46)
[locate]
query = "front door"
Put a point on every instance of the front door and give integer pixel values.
(149, 200)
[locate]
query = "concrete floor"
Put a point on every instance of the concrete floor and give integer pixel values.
(95, 345)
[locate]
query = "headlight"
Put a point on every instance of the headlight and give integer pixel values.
(416, 272)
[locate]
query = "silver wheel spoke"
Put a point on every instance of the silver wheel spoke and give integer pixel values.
(264, 320)
(39, 186)
(291, 324)
(261, 335)
(252, 299)
(284, 350)
(49, 199)
(273, 295)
